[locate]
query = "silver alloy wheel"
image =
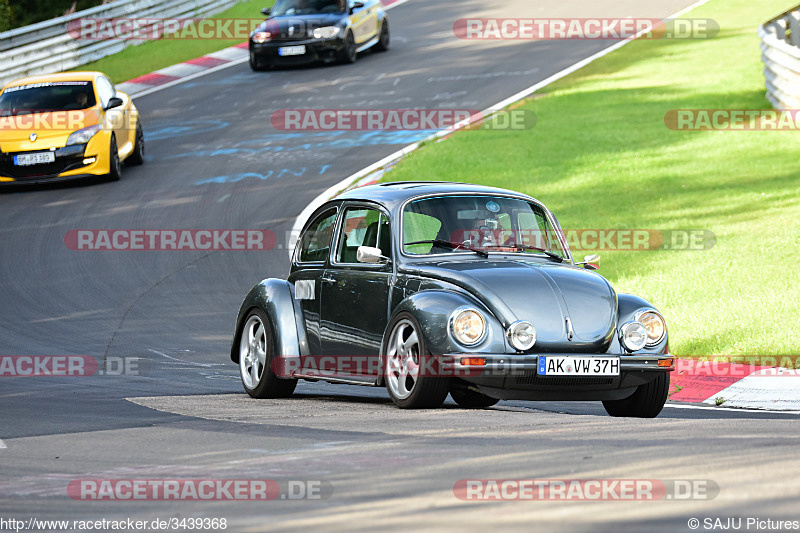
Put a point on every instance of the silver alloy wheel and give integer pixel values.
(403, 360)
(252, 352)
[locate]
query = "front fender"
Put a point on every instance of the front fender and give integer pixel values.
(276, 298)
(627, 306)
(432, 309)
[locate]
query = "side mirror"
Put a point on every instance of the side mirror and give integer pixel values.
(591, 262)
(114, 102)
(356, 5)
(266, 11)
(370, 255)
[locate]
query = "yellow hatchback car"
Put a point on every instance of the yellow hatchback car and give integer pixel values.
(63, 126)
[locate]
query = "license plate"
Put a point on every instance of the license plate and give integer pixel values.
(292, 50)
(578, 366)
(34, 159)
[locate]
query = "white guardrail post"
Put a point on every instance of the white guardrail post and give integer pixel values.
(49, 47)
(780, 51)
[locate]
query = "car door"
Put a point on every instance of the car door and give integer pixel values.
(363, 20)
(355, 296)
(312, 253)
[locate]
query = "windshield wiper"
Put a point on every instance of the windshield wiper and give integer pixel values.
(548, 253)
(451, 245)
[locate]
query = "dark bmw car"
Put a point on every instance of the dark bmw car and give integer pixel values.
(300, 32)
(437, 288)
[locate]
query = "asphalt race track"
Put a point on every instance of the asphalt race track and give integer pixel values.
(214, 161)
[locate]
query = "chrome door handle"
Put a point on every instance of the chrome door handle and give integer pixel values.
(328, 281)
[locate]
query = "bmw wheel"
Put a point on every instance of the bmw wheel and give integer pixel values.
(383, 40)
(409, 370)
(348, 54)
(256, 353)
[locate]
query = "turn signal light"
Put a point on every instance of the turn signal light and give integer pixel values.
(473, 361)
(666, 362)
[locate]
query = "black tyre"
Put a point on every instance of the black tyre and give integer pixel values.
(410, 371)
(348, 54)
(384, 38)
(115, 165)
(137, 157)
(256, 353)
(470, 399)
(646, 402)
(256, 64)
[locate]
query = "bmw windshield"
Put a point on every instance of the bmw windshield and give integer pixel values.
(308, 7)
(447, 224)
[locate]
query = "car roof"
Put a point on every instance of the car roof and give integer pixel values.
(87, 75)
(395, 193)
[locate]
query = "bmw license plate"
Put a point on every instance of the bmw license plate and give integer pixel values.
(578, 366)
(292, 50)
(36, 158)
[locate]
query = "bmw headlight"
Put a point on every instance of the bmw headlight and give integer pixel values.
(83, 135)
(261, 37)
(654, 324)
(633, 336)
(468, 326)
(328, 32)
(521, 335)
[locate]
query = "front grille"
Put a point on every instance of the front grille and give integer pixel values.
(67, 158)
(532, 378)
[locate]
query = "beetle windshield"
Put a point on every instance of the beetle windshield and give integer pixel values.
(307, 7)
(447, 224)
(47, 96)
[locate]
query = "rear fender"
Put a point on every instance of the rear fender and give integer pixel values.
(275, 297)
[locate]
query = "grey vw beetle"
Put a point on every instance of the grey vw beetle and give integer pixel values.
(436, 288)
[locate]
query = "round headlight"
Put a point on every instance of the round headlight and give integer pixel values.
(633, 336)
(655, 326)
(521, 335)
(261, 37)
(468, 326)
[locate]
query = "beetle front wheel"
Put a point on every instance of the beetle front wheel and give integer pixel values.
(646, 402)
(410, 371)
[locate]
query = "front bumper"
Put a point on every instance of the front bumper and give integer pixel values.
(69, 164)
(515, 377)
(317, 50)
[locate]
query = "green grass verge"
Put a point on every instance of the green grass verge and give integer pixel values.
(601, 156)
(144, 58)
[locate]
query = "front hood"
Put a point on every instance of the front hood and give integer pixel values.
(51, 128)
(544, 294)
(303, 25)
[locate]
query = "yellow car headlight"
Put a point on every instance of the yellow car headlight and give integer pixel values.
(467, 325)
(654, 324)
(83, 135)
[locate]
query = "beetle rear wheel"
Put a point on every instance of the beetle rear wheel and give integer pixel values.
(256, 353)
(646, 402)
(410, 371)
